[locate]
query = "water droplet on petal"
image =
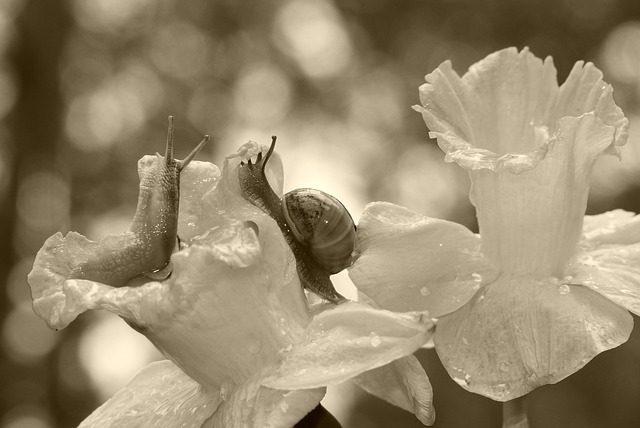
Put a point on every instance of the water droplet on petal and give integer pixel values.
(226, 387)
(375, 339)
(564, 289)
(503, 366)
(425, 291)
(465, 341)
(284, 406)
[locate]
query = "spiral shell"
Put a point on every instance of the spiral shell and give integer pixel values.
(321, 223)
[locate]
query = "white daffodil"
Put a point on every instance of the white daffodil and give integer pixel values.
(542, 289)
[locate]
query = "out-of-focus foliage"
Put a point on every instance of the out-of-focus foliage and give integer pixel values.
(85, 89)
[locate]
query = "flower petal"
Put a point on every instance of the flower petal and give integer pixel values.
(584, 91)
(496, 114)
(161, 395)
(231, 320)
(346, 341)
(251, 405)
(617, 227)
(609, 261)
(521, 332)
(402, 383)
(531, 222)
(196, 180)
(409, 262)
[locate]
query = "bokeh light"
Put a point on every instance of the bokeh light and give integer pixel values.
(111, 353)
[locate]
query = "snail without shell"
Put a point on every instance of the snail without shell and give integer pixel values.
(317, 227)
(146, 247)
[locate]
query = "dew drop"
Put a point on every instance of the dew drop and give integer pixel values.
(375, 339)
(226, 387)
(564, 289)
(503, 366)
(284, 406)
(465, 341)
(425, 291)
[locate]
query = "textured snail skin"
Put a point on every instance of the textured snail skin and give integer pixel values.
(256, 189)
(146, 247)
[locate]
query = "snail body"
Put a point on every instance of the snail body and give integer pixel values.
(316, 225)
(146, 247)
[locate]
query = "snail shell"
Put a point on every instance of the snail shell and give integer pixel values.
(323, 225)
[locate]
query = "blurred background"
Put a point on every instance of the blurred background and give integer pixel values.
(85, 91)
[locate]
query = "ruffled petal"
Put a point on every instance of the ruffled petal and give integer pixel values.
(409, 262)
(584, 91)
(251, 405)
(609, 260)
(402, 383)
(346, 341)
(161, 395)
(521, 332)
(496, 114)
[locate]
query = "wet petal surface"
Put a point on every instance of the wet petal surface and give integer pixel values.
(609, 258)
(161, 395)
(409, 262)
(402, 383)
(521, 332)
(346, 341)
(252, 405)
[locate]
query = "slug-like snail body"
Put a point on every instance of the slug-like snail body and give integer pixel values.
(317, 227)
(146, 247)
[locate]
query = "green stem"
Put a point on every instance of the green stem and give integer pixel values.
(514, 413)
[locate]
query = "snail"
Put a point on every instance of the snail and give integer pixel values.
(317, 227)
(146, 247)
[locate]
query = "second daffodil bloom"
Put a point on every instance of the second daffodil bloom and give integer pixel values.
(542, 289)
(245, 349)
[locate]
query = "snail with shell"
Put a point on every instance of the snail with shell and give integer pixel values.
(317, 227)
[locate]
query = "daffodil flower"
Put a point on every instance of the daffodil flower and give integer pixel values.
(542, 289)
(244, 348)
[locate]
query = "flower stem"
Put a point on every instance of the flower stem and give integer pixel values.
(514, 413)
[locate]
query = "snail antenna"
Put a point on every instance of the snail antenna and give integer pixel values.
(269, 152)
(168, 156)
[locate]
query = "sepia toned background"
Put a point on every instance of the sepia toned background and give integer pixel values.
(85, 90)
